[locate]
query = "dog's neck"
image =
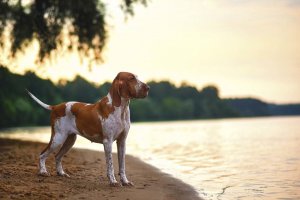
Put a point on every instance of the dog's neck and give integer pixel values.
(124, 102)
(123, 107)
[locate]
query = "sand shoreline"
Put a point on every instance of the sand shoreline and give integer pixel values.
(19, 179)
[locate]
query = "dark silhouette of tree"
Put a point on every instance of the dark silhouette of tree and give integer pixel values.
(165, 101)
(44, 21)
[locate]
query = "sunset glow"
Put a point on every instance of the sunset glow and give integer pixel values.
(245, 48)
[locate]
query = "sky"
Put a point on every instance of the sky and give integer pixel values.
(245, 48)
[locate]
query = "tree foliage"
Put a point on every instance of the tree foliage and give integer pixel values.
(44, 21)
(165, 101)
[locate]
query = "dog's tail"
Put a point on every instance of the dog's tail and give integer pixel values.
(48, 107)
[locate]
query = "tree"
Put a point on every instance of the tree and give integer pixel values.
(44, 21)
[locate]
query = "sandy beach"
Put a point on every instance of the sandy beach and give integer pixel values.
(19, 179)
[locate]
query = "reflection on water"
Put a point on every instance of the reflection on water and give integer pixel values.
(255, 158)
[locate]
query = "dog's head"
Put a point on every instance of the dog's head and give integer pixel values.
(127, 85)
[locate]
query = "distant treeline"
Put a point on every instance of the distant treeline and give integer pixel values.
(165, 101)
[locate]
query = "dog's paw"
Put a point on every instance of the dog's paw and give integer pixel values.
(129, 184)
(63, 174)
(44, 173)
(115, 184)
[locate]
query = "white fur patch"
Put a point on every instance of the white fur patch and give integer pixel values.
(109, 99)
(138, 86)
(113, 126)
(66, 125)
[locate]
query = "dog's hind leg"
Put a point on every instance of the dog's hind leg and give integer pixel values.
(57, 139)
(64, 149)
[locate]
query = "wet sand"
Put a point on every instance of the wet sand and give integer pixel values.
(19, 179)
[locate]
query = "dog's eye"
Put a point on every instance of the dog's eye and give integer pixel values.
(131, 79)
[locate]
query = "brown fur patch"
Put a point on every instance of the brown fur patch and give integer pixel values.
(115, 92)
(59, 110)
(104, 109)
(87, 120)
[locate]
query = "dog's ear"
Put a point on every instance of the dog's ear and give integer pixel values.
(124, 90)
(115, 92)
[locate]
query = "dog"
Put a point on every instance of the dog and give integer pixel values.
(103, 122)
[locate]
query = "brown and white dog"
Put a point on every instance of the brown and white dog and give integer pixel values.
(103, 122)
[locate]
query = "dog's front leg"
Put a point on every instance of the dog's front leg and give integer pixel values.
(121, 144)
(109, 162)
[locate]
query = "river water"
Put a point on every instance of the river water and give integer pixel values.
(249, 158)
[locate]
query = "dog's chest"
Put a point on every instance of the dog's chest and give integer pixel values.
(116, 123)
